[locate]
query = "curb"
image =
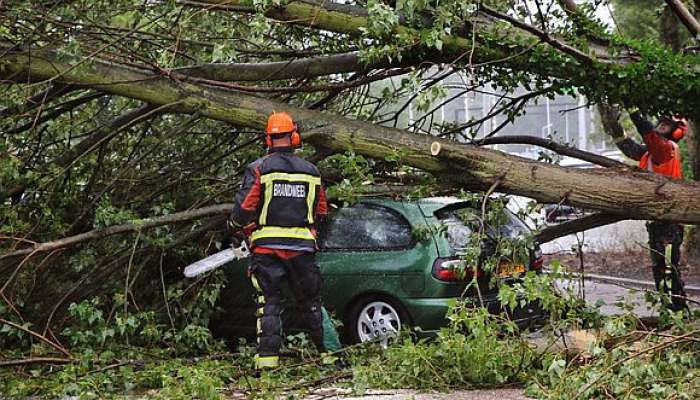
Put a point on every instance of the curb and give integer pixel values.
(629, 281)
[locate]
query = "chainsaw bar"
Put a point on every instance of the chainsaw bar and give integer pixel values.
(216, 260)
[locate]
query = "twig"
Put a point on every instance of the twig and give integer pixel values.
(16, 271)
(543, 35)
(126, 284)
(36, 360)
(634, 355)
(484, 202)
(165, 296)
(668, 335)
(38, 336)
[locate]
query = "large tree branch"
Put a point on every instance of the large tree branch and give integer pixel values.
(104, 134)
(66, 107)
(135, 226)
(555, 147)
(351, 20)
(686, 17)
(578, 225)
(38, 100)
(293, 69)
(634, 195)
(581, 65)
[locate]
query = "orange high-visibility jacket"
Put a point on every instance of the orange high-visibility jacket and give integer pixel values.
(658, 154)
(663, 156)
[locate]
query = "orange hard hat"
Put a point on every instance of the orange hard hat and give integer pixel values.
(280, 123)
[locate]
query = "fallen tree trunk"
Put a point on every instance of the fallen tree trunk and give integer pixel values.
(618, 191)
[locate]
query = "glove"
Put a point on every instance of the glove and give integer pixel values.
(640, 122)
(236, 233)
(237, 238)
(242, 234)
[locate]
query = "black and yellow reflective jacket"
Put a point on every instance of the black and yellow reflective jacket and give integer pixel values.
(282, 193)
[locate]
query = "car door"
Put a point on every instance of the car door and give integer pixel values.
(370, 248)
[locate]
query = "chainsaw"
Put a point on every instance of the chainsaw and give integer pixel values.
(216, 260)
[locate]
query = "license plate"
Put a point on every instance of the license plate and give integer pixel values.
(507, 268)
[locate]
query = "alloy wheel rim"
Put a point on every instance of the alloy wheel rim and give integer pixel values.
(378, 321)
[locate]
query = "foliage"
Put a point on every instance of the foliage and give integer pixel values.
(656, 367)
(475, 350)
(120, 304)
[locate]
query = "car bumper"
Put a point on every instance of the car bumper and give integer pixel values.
(428, 315)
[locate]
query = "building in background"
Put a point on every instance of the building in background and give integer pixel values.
(566, 119)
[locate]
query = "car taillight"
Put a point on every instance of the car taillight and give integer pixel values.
(451, 270)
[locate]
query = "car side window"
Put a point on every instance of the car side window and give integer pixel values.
(367, 227)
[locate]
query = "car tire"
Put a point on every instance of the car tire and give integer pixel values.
(378, 318)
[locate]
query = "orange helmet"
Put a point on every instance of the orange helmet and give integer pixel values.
(281, 123)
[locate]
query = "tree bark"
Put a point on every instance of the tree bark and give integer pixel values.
(555, 147)
(692, 242)
(619, 191)
(292, 69)
(577, 225)
(680, 10)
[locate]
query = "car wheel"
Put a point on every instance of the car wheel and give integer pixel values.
(376, 319)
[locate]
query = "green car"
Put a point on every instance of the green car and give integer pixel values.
(384, 270)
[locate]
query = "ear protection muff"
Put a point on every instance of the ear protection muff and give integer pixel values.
(294, 136)
(677, 134)
(679, 127)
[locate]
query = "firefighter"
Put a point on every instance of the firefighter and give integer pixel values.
(660, 154)
(282, 197)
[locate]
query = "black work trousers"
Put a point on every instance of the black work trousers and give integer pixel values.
(667, 274)
(303, 275)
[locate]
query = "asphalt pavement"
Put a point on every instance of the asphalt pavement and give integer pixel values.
(614, 290)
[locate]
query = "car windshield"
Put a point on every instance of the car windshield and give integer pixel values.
(460, 222)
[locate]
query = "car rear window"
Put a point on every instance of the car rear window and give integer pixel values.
(366, 226)
(461, 222)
